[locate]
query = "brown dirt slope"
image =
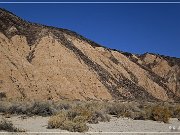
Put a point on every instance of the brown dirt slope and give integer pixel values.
(47, 63)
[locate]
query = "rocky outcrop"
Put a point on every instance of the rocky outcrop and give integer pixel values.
(47, 63)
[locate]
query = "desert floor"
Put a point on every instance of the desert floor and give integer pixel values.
(38, 125)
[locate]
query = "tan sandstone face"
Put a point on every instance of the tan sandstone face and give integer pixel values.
(52, 64)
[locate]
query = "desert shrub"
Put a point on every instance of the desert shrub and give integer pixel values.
(93, 112)
(56, 121)
(71, 114)
(4, 106)
(63, 105)
(79, 119)
(176, 112)
(28, 108)
(8, 126)
(98, 116)
(42, 109)
(122, 109)
(160, 113)
(80, 111)
(155, 111)
(75, 119)
(140, 116)
(63, 121)
(114, 109)
(74, 126)
(145, 113)
(95, 105)
(18, 108)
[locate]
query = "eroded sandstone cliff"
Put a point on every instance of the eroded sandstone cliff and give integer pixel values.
(47, 63)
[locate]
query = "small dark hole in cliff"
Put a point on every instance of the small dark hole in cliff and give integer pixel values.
(1, 81)
(2, 95)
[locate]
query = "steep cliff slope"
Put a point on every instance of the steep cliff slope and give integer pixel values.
(47, 63)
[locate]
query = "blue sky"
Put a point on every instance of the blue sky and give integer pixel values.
(135, 28)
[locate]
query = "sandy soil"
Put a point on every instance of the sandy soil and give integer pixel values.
(38, 125)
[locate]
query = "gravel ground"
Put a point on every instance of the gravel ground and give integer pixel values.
(38, 125)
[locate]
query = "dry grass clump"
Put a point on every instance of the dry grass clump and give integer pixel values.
(92, 113)
(56, 121)
(75, 126)
(8, 126)
(62, 121)
(160, 113)
(75, 119)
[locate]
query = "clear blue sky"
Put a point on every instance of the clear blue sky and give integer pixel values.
(135, 28)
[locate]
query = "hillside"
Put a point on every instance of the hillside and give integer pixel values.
(48, 63)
